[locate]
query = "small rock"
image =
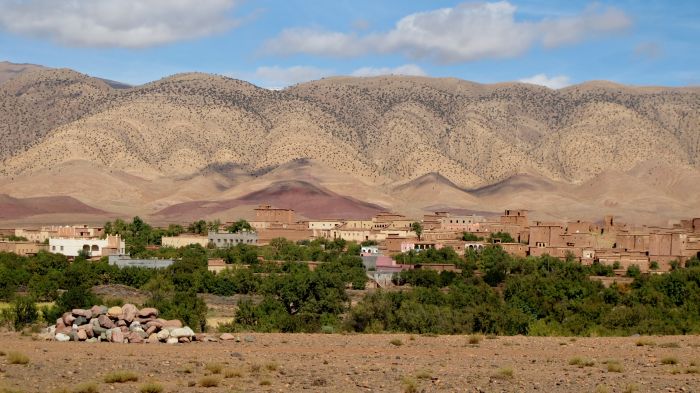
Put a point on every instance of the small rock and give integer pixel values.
(172, 340)
(153, 339)
(227, 337)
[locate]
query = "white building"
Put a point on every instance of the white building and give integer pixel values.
(96, 247)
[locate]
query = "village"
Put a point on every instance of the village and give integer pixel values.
(387, 236)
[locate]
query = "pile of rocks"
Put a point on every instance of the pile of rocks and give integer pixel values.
(125, 324)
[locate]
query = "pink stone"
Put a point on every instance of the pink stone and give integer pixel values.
(152, 329)
(88, 330)
(129, 312)
(79, 312)
(173, 323)
(227, 337)
(135, 338)
(82, 335)
(148, 312)
(105, 322)
(68, 319)
(117, 336)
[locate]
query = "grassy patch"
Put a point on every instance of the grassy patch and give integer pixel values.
(672, 344)
(396, 342)
(255, 368)
(265, 382)
(601, 389)
(645, 341)
(151, 387)
(692, 370)
(631, 388)
(409, 385)
(209, 382)
(491, 336)
(271, 366)
(214, 368)
(669, 360)
(233, 373)
(614, 366)
(121, 377)
(88, 387)
(581, 362)
(474, 339)
(676, 370)
(503, 373)
(424, 374)
(17, 358)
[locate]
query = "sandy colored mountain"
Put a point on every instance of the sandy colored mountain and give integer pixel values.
(406, 143)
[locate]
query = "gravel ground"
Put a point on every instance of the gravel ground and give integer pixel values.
(363, 363)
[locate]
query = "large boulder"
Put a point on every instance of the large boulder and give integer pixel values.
(163, 335)
(148, 312)
(98, 310)
(105, 322)
(135, 338)
(79, 312)
(129, 312)
(82, 335)
(153, 339)
(68, 319)
(98, 330)
(62, 337)
(182, 332)
(172, 340)
(158, 323)
(88, 328)
(80, 321)
(115, 311)
(151, 330)
(173, 323)
(117, 336)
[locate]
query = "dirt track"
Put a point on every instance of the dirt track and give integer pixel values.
(357, 363)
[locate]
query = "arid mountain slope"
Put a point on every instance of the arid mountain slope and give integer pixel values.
(404, 143)
(10, 70)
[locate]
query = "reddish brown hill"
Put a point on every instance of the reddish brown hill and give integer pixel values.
(309, 200)
(14, 208)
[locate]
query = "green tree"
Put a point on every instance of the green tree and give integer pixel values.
(470, 237)
(417, 227)
(504, 237)
(239, 226)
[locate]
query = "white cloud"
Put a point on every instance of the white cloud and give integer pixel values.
(123, 23)
(407, 69)
(555, 82)
(464, 33)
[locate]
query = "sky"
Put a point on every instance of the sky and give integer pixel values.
(277, 43)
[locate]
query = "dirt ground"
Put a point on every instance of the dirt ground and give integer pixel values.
(363, 363)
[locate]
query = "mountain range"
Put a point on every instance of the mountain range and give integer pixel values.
(196, 145)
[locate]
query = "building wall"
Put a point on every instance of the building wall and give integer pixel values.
(270, 214)
(183, 241)
(22, 248)
(324, 224)
(72, 246)
(225, 239)
(126, 261)
(292, 234)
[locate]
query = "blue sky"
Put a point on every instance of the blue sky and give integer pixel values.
(277, 43)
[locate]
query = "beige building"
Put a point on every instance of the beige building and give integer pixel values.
(183, 240)
(23, 248)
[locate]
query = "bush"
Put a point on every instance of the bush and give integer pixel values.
(396, 342)
(214, 368)
(503, 373)
(669, 360)
(121, 377)
(633, 271)
(87, 387)
(23, 312)
(209, 382)
(17, 358)
(151, 387)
